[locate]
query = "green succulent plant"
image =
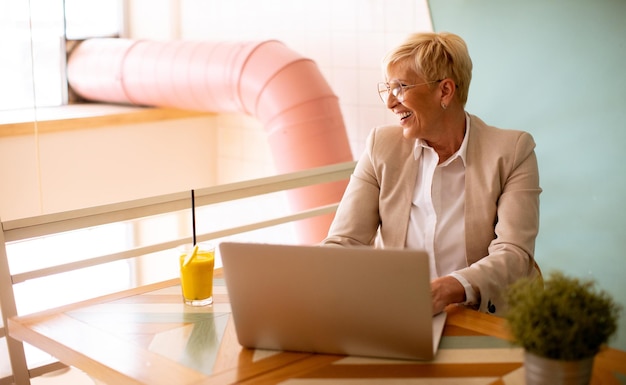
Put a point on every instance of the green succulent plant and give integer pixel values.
(561, 318)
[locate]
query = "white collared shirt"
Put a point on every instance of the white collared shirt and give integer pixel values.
(437, 219)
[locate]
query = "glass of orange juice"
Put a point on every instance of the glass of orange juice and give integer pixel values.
(196, 277)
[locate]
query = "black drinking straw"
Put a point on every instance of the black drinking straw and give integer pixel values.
(193, 216)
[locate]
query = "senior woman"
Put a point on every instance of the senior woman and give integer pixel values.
(444, 181)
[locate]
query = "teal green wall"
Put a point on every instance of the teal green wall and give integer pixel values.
(557, 68)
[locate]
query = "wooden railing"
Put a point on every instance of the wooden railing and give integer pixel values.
(46, 225)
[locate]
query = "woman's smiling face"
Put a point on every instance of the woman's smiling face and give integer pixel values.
(418, 105)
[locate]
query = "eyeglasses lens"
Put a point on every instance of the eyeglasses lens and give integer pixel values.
(384, 89)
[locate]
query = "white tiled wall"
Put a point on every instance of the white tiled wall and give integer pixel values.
(346, 38)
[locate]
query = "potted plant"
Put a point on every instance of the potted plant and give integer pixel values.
(561, 322)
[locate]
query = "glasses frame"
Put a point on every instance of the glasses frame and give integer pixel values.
(398, 92)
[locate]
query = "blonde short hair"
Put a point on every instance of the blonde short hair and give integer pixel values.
(436, 56)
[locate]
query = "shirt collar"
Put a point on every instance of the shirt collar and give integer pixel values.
(420, 144)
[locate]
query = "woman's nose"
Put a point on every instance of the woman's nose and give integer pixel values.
(392, 101)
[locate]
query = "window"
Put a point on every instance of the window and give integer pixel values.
(33, 35)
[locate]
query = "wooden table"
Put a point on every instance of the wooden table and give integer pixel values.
(148, 336)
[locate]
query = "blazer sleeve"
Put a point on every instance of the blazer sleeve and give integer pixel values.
(356, 219)
(503, 191)
(375, 208)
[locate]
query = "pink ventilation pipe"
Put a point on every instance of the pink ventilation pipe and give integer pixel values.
(283, 90)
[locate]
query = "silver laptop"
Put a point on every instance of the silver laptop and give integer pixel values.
(334, 300)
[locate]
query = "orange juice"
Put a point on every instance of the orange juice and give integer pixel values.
(197, 277)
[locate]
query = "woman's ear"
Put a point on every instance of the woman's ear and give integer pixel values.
(447, 87)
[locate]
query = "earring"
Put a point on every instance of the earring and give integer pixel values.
(443, 105)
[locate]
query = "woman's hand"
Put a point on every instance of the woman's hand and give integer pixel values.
(445, 291)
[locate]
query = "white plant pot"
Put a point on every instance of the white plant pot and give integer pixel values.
(546, 371)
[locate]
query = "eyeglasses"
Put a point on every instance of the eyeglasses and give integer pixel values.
(397, 89)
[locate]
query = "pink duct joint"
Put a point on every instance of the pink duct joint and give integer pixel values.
(283, 90)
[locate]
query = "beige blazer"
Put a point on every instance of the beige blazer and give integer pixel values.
(501, 204)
